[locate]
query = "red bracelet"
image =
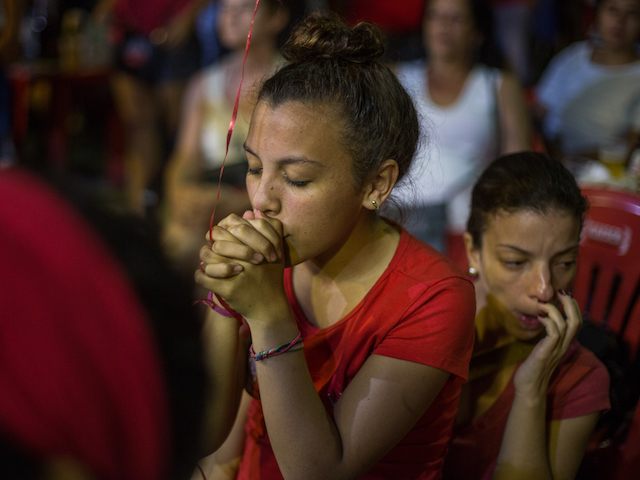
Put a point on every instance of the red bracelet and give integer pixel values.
(225, 311)
(273, 352)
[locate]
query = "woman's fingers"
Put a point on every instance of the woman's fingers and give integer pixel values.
(573, 317)
(223, 270)
(227, 245)
(219, 233)
(271, 229)
(553, 313)
(211, 283)
(263, 235)
(217, 266)
(237, 251)
(561, 326)
(553, 338)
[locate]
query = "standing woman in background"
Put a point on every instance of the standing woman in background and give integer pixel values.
(534, 393)
(156, 51)
(194, 168)
(352, 320)
(470, 112)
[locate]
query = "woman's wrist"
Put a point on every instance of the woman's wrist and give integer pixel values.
(292, 345)
(275, 328)
(531, 398)
(219, 306)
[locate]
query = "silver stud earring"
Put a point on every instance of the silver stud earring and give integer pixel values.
(473, 272)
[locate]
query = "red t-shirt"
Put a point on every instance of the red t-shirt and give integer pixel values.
(405, 16)
(580, 386)
(420, 310)
(144, 16)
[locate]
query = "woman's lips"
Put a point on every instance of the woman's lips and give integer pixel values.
(530, 322)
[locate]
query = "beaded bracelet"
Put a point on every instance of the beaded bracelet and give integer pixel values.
(279, 350)
(225, 311)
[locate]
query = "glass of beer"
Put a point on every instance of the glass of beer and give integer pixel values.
(614, 158)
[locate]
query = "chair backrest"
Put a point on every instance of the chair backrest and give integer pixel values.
(626, 463)
(607, 285)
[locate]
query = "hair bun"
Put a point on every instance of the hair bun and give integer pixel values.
(327, 36)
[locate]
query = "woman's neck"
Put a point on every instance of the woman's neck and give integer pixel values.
(450, 67)
(329, 289)
(603, 55)
(260, 63)
(446, 81)
(260, 58)
(371, 238)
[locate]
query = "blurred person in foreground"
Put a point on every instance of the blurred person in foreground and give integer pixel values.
(101, 370)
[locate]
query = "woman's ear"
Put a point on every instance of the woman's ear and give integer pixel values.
(379, 187)
(473, 253)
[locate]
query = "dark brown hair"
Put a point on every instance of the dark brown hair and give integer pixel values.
(332, 64)
(523, 181)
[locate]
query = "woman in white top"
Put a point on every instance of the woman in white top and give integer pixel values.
(193, 170)
(470, 113)
(589, 95)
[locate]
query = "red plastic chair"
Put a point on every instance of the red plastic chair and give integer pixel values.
(607, 284)
(627, 462)
(607, 288)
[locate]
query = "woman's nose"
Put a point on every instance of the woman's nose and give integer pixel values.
(542, 285)
(266, 197)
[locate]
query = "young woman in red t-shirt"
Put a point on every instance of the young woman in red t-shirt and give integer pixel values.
(534, 394)
(361, 335)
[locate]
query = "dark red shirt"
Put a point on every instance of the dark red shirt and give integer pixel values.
(144, 16)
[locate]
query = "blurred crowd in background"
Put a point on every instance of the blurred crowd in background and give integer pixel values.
(135, 97)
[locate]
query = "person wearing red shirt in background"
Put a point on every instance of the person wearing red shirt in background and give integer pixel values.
(400, 21)
(156, 52)
(360, 333)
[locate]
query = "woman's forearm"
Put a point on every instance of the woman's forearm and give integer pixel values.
(226, 362)
(304, 437)
(523, 452)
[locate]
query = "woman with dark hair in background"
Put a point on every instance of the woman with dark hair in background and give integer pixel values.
(351, 319)
(534, 393)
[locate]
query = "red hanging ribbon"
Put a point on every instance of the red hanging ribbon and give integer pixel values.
(234, 115)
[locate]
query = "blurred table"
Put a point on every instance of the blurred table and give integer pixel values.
(593, 173)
